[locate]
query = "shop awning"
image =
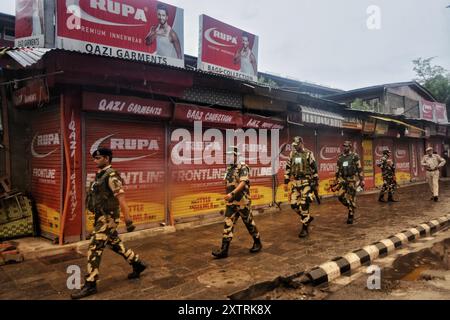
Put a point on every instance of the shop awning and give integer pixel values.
(398, 122)
(318, 116)
(27, 56)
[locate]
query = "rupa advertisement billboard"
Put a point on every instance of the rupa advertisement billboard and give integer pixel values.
(29, 23)
(227, 50)
(141, 30)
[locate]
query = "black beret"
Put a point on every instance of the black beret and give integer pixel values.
(102, 152)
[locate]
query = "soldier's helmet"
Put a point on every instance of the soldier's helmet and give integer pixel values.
(387, 151)
(347, 144)
(103, 152)
(297, 141)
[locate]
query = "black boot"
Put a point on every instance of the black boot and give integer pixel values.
(436, 199)
(350, 218)
(138, 268)
(223, 251)
(391, 198)
(304, 233)
(89, 288)
(381, 198)
(257, 246)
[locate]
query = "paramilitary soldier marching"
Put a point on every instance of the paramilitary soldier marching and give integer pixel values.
(106, 200)
(388, 173)
(301, 173)
(349, 177)
(238, 204)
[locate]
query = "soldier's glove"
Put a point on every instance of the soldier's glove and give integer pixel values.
(130, 226)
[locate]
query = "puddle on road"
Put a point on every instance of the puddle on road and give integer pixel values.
(411, 267)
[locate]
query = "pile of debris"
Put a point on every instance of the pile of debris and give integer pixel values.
(9, 253)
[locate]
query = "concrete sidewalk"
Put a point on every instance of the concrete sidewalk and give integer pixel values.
(182, 266)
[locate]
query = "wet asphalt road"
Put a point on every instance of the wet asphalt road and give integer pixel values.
(181, 266)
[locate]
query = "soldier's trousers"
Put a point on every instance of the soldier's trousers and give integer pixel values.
(301, 197)
(347, 196)
(433, 182)
(105, 233)
(232, 214)
(388, 186)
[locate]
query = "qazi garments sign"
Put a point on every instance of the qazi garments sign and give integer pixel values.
(141, 30)
(227, 51)
(29, 23)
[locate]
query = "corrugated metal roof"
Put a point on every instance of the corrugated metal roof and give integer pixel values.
(27, 56)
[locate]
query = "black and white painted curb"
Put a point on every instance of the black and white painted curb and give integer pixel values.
(348, 263)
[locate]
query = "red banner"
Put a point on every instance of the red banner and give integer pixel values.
(35, 92)
(427, 110)
(260, 122)
(29, 23)
(186, 113)
(127, 105)
(142, 30)
(72, 131)
(227, 50)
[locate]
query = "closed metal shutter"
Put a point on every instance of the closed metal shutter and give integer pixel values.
(46, 168)
(138, 154)
(402, 162)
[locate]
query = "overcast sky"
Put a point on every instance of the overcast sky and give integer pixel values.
(328, 41)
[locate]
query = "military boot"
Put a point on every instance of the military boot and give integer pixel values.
(257, 246)
(223, 251)
(350, 217)
(89, 288)
(381, 198)
(138, 268)
(391, 198)
(304, 232)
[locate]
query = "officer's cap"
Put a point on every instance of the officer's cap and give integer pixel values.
(347, 144)
(102, 152)
(429, 148)
(297, 141)
(386, 151)
(233, 150)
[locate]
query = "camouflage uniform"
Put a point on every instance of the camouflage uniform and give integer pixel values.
(301, 173)
(348, 168)
(103, 203)
(103, 200)
(238, 206)
(388, 174)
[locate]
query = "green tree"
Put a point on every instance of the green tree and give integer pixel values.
(433, 77)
